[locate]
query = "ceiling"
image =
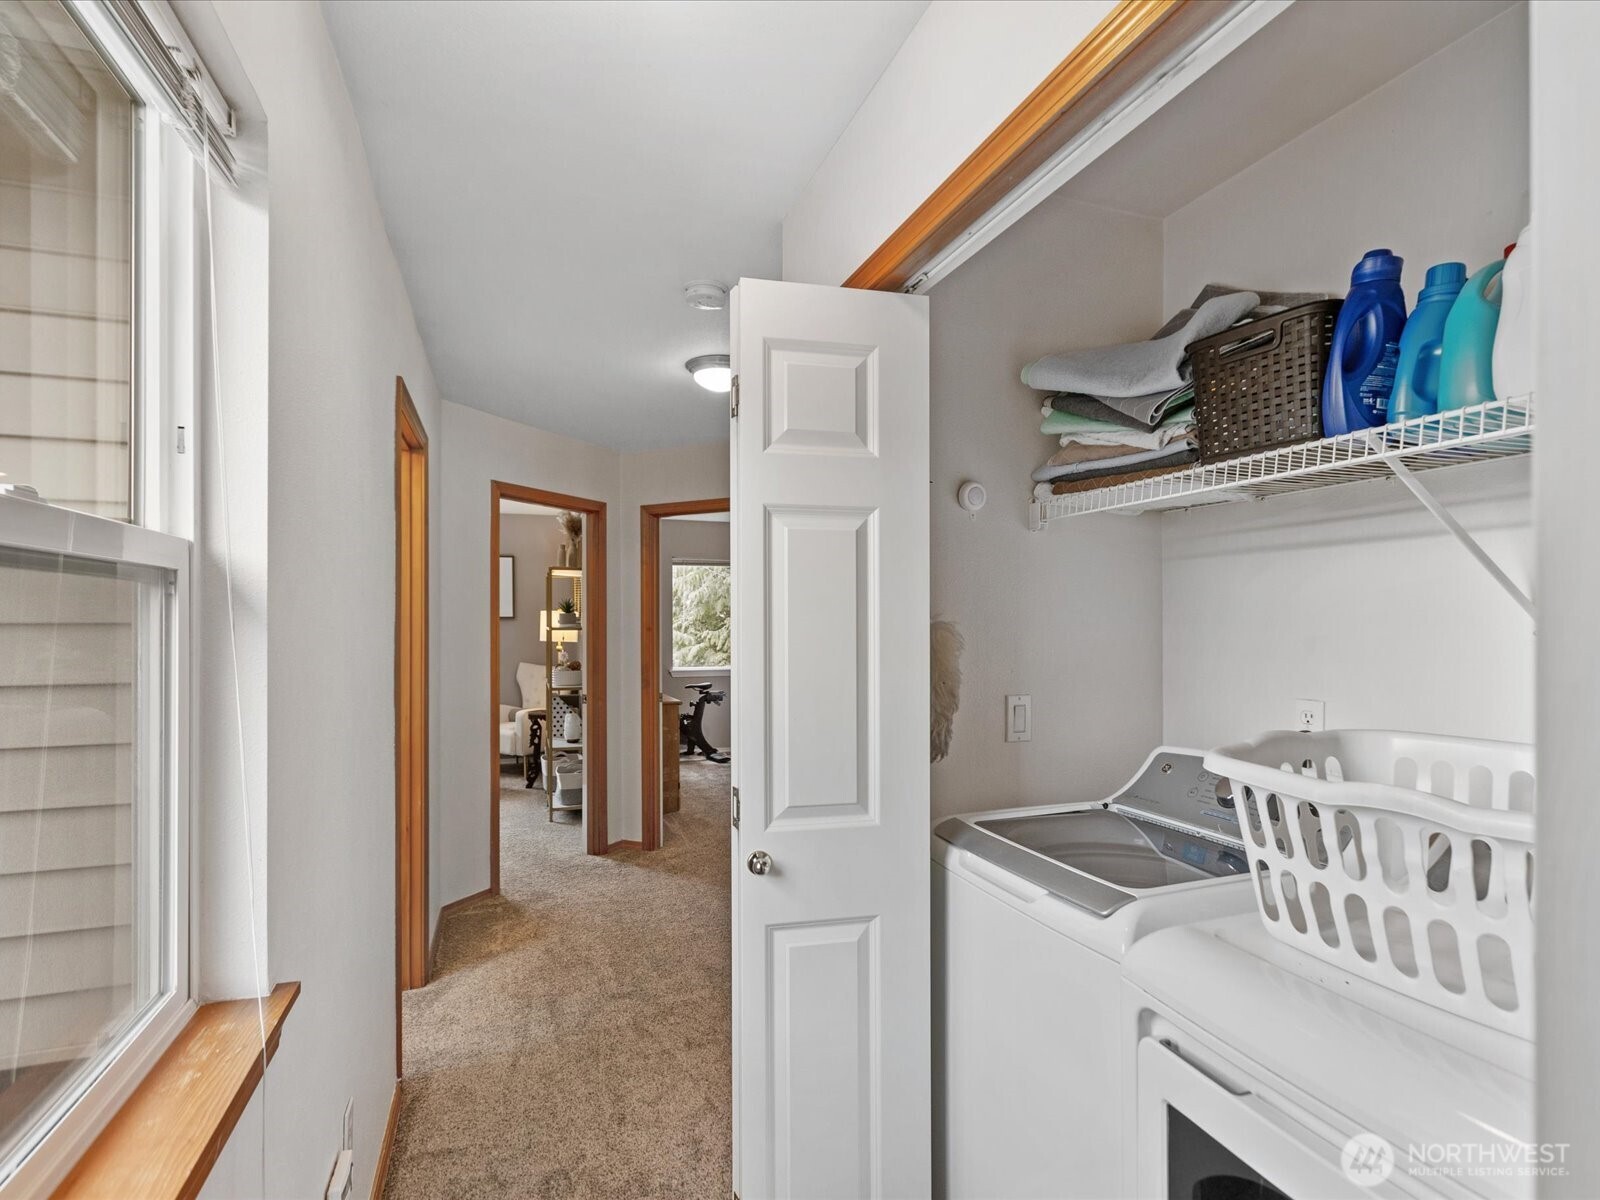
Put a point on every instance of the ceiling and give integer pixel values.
(552, 174)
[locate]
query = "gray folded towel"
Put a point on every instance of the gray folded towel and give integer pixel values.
(1269, 303)
(1136, 412)
(1140, 368)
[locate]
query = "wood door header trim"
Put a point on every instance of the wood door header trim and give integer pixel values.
(532, 495)
(1132, 38)
(684, 508)
(412, 430)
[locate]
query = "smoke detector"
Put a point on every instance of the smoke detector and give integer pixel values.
(705, 294)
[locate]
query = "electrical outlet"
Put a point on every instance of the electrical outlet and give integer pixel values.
(349, 1142)
(1310, 715)
(1019, 718)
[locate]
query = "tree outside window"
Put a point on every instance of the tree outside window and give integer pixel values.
(701, 633)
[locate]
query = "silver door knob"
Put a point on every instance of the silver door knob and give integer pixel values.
(759, 862)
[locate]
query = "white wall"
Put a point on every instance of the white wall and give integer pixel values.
(1359, 600)
(341, 329)
(706, 541)
(1566, 184)
(961, 72)
(1433, 165)
(533, 542)
(1071, 616)
(1265, 604)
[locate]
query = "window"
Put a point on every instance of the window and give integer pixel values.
(66, 263)
(700, 628)
(97, 172)
(90, 844)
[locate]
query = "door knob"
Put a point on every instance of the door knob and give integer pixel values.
(759, 862)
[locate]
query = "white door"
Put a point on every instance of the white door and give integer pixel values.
(830, 743)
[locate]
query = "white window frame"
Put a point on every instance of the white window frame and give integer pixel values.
(673, 668)
(166, 341)
(83, 1112)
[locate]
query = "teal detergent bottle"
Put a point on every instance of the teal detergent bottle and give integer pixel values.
(1416, 375)
(1466, 364)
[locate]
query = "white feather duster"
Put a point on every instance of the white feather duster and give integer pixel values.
(945, 669)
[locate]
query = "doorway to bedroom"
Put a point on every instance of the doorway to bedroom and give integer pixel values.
(686, 657)
(547, 670)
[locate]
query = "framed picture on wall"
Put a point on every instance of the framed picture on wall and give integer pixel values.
(508, 586)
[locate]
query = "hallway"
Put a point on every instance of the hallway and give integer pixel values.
(575, 1039)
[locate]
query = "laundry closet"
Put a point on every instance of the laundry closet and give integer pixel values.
(1377, 583)
(1110, 1013)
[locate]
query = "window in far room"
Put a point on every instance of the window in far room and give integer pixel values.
(700, 626)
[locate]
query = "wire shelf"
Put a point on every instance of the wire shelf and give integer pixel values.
(1498, 429)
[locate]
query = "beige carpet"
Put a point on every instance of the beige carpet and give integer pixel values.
(575, 1040)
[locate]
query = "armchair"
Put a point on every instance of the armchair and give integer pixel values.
(517, 733)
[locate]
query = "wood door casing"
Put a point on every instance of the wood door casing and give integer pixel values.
(411, 700)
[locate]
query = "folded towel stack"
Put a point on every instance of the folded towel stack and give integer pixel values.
(1128, 408)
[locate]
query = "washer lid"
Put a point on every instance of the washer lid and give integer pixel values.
(1076, 888)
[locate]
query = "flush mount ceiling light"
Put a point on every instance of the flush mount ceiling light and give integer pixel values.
(705, 294)
(714, 372)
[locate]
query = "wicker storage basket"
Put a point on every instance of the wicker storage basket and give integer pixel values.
(1259, 386)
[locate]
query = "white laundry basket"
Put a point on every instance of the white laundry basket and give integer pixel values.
(1404, 858)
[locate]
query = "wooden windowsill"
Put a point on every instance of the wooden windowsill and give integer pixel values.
(166, 1137)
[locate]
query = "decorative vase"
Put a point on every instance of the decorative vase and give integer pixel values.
(572, 728)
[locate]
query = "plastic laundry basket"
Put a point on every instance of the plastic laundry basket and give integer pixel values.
(1404, 858)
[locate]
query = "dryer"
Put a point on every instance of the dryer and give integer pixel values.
(1034, 909)
(1264, 1072)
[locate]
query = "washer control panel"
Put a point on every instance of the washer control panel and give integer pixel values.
(1175, 786)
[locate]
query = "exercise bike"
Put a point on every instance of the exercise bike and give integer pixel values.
(691, 726)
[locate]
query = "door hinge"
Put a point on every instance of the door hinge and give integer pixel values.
(736, 808)
(734, 414)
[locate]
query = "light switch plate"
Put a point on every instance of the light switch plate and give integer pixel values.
(1019, 718)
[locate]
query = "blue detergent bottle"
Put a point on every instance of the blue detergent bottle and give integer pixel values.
(1416, 376)
(1466, 367)
(1366, 347)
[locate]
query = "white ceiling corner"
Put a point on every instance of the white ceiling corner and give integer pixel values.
(551, 175)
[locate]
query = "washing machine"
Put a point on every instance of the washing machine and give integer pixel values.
(1033, 911)
(1263, 1072)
